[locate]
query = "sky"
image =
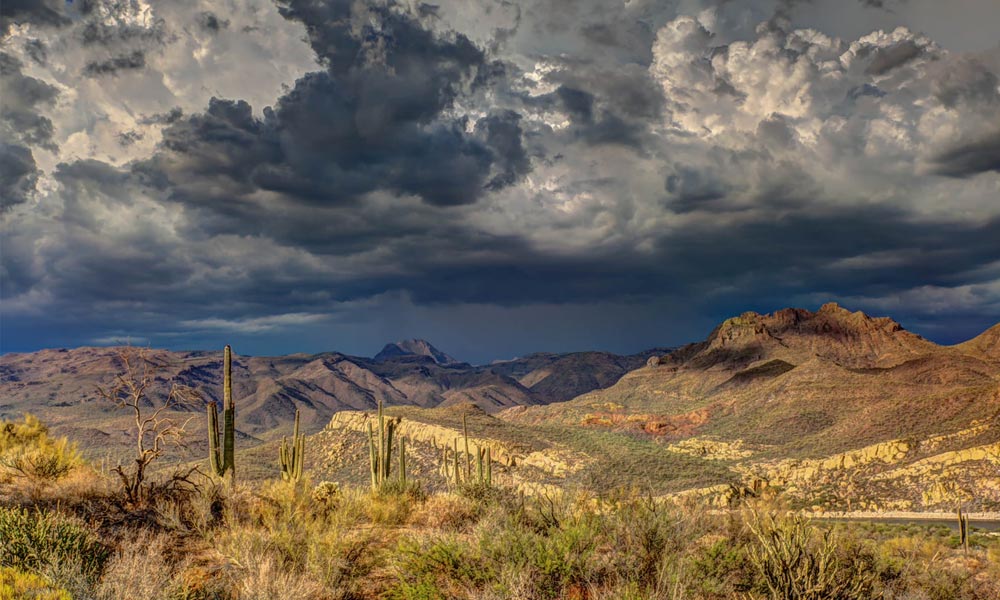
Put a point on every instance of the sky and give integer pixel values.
(495, 176)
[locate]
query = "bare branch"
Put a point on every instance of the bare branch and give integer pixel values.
(153, 431)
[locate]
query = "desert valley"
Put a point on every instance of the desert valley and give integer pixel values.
(833, 414)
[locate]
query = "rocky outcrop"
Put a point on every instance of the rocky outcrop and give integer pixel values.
(551, 460)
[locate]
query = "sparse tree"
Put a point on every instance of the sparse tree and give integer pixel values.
(154, 431)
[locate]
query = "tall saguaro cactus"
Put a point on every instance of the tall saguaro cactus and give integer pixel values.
(963, 529)
(380, 450)
(292, 455)
(223, 462)
(484, 462)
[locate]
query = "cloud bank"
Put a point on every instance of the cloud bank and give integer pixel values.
(499, 176)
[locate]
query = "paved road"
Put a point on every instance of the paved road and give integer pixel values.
(982, 525)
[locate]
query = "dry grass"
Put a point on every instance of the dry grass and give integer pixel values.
(299, 541)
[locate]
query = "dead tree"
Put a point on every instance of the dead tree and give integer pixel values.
(153, 430)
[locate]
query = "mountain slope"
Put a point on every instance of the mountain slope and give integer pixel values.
(819, 381)
(840, 410)
(60, 385)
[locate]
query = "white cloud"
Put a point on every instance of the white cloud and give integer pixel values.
(256, 324)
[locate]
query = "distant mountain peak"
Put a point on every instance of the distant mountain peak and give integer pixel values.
(414, 347)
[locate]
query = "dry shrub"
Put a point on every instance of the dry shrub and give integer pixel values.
(259, 571)
(139, 569)
(446, 511)
(389, 510)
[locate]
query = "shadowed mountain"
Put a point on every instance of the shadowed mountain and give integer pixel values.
(414, 348)
(61, 385)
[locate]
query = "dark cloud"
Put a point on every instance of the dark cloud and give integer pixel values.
(17, 175)
(966, 81)
(502, 132)
(209, 21)
(24, 97)
(130, 62)
(40, 12)
(36, 50)
(127, 138)
(167, 118)
(384, 124)
(887, 58)
(976, 156)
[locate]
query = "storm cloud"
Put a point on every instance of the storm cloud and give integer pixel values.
(372, 170)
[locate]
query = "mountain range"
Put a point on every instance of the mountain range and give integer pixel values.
(61, 385)
(839, 409)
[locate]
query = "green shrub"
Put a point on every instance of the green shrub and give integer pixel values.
(441, 560)
(19, 585)
(32, 540)
(27, 450)
(563, 556)
(797, 561)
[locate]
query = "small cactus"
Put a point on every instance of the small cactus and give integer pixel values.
(292, 456)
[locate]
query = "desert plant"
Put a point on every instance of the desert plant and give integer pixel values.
(138, 569)
(796, 562)
(292, 456)
(963, 530)
(33, 539)
(153, 430)
(224, 461)
(27, 450)
(17, 585)
(380, 450)
(484, 462)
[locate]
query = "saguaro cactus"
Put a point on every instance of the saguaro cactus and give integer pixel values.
(292, 455)
(223, 462)
(380, 450)
(484, 462)
(963, 529)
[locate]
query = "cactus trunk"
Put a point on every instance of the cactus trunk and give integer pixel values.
(292, 456)
(223, 461)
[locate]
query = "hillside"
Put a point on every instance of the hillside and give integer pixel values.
(839, 409)
(796, 392)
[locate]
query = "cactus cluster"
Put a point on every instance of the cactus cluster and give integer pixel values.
(292, 455)
(451, 464)
(380, 450)
(223, 460)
